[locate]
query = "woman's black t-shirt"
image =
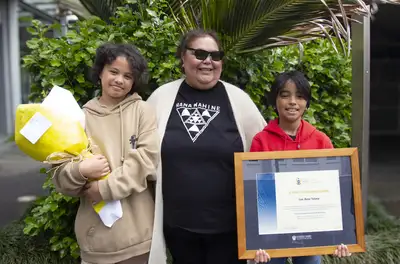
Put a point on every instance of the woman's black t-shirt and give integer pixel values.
(197, 157)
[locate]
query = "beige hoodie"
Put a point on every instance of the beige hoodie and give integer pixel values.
(111, 130)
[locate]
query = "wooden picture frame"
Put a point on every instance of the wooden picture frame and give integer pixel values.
(247, 221)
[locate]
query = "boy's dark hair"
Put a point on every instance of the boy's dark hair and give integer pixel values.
(191, 36)
(298, 78)
(108, 52)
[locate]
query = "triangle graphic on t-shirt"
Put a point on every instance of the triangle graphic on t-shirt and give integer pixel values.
(206, 113)
(185, 112)
(197, 121)
(194, 128)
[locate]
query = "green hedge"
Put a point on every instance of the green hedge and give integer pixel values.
(66, 62)
(17, 248)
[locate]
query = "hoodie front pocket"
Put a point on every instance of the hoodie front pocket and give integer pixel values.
(134, 228)
(104, 239)
(101, 239)
(83, 225)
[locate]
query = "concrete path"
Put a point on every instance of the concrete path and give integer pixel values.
(20, 182)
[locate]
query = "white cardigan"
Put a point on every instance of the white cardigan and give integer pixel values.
(248, 120)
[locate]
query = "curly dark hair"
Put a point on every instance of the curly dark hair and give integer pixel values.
(191, 36)
(108, 52)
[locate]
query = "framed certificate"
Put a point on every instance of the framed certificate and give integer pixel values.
(298, 203)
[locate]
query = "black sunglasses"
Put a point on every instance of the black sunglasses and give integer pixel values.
(203, 54)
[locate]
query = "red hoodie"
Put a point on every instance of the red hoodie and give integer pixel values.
(273, 138)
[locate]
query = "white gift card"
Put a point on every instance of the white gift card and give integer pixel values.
(35, 127)
(111, 212)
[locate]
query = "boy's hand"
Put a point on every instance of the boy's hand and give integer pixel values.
(94, 167)
(262, 257)
(342, 251)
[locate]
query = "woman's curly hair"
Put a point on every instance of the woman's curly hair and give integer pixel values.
(108, 52)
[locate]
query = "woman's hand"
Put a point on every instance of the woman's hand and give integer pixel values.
(262, 257)
(342, 251)
(94, 167)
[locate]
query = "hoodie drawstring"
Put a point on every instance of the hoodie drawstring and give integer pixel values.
(96, 108)
(122, 134)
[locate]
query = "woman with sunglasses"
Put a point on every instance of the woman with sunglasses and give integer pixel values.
(202, 121)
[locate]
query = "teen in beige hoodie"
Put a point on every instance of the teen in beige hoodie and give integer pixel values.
(123, 128)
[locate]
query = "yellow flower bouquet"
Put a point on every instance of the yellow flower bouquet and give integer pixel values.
(53, 132)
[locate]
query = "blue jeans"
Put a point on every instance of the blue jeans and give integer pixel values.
(298, 260)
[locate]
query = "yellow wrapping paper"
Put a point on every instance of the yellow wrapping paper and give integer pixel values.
(64, 135)
(64, 141)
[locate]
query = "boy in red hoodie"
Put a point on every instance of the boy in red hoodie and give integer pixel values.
(291, 97)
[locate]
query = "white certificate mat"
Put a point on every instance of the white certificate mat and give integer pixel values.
(299, 202)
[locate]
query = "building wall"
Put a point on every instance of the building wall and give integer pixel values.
(14, 80)
(3, 121)
(10, 65)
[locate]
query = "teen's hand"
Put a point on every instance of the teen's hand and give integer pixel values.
(92, 192)
(262, 257)
(94, 167)
(342, 251)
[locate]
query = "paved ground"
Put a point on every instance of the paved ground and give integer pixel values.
(19, 181)
(20, 178)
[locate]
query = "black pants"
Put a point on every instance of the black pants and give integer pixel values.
(194, 248)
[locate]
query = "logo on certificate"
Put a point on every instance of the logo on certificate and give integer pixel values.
(301, 237)
(298, 181)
